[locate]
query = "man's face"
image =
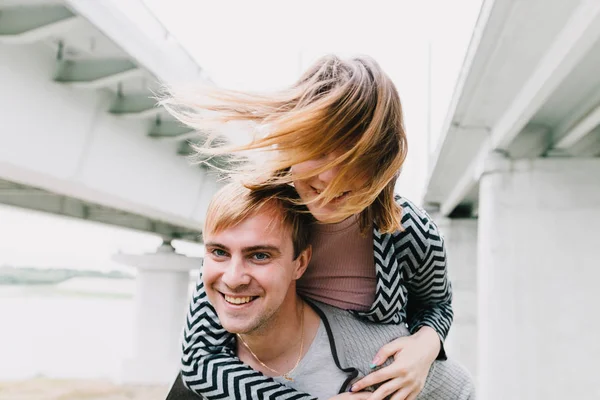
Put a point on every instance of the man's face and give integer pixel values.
(248, 271)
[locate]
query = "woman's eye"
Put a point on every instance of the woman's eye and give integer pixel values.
(323, 158)
(260, 256)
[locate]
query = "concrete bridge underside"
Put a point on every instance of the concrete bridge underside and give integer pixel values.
(515, 182)
(80, 136)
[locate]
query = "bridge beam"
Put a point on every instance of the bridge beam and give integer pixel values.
(582, 131)
(29, 24)
(580, 33)
(140, 106)
(95, 74)
(137, 31)
(69, 145)
(172, 131)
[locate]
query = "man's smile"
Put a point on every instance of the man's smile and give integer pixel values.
(238, 299)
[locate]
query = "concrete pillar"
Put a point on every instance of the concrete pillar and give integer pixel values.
(460, 237)
(161, 300)
(538, 274)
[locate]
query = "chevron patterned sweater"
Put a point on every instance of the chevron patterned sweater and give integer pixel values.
(412, 288)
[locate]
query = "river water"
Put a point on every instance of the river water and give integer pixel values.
(79, 329)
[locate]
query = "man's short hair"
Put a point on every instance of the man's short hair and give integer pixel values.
(234, 203)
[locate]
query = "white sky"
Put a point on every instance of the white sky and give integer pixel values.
(264, 45)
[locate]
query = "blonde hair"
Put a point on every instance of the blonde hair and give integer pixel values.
(234, 203)
(349, 106)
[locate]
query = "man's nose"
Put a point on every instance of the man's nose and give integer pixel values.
(236, 275)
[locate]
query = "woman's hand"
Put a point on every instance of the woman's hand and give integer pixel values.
(405, 377)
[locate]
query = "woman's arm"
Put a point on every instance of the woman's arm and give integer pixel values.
(420, 250)
(209, 365)
(429, 291)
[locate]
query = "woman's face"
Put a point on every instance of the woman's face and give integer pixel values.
(310, 188)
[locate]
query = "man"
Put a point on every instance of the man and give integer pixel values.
(257, 247)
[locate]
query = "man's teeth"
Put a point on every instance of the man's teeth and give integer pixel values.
(238, 300)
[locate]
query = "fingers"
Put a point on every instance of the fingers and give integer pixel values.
(360, 396)
(388, 388)
(411, 396)
(402, 395)
(382, 375)
(393, 379)
(387, 351)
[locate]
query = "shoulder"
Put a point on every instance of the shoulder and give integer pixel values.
(414, 216)
(418, 236)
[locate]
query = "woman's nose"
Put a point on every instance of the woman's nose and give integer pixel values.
(329, 175)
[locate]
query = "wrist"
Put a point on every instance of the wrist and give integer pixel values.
(431, 338)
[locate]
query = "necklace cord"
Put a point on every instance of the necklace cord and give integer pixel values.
(287, 374)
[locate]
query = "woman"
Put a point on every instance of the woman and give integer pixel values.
(337, 135)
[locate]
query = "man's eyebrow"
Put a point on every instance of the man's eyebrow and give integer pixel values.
(215, 244)
(262, 247)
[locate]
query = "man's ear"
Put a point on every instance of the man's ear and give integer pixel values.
(302, 262)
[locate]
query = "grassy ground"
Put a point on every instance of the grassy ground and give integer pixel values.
(57, 389)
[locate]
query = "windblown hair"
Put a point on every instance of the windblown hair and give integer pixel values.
(350, 107)
(234, 203)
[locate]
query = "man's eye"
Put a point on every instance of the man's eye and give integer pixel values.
(219, 253)
(260, 256)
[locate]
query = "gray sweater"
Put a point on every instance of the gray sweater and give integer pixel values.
(354, 342)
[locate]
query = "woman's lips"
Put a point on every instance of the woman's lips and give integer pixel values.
(336, 198)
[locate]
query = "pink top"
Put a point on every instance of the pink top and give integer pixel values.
(342, 269)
